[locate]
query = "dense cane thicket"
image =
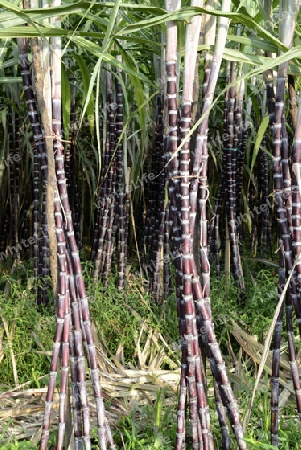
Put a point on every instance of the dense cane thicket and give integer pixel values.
(165, 136)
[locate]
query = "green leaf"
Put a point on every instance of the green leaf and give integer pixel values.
(9, 80)
(88, 99)
(186, 12)
(236, 55)
(253, 42)
(260, 135)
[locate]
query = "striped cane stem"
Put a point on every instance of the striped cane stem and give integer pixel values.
(282, 184)
(40, 157)
(120, 187)
(205, 322)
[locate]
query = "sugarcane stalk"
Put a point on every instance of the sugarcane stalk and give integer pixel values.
(202, 299)
(40, 156)
(197, 397)
(282, 183)
(120, 186)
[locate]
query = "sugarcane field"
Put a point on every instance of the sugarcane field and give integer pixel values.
(150, 225)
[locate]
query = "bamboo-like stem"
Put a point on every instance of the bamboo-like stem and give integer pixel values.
(222, 418)
(112, 192)
(202, 295)
(171, 122)
(200, 427)
(158, 186)
(104, 433)
(282, 183)
(107, 195)
(120, 186)
(14, 157)
(40, 156)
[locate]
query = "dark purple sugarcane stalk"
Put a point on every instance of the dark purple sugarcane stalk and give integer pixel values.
(101, 200)
(156, 214)
(104, 433)
(120, 187)
(5, 231)
(39, 150)
(70, 270)
(151, 228)
(72, 170)
(240, 139)
(222, 187)
(60, 314)
(278, 189)
(107, 194)
(197, 397)
(204, 315)
(102, 221)
(276, 355)
(191, 367)
(111, 242)
(282, 189)
(218, 367)
(172, 111)
(221, 412)
(80, 404)
(263, 186)
(151, 196)
(173, 190)
(296, 210)
(231, 156)
(296, 231)
(25, 231)
(63, 291)
(14, 156)
(269, 82)
(11, 189)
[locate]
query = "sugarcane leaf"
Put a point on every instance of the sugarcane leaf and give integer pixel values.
(9, 63)
(66, 98)
(16, 11)
(9, 80)
(21, 31)
(247, 215)
(252, 42)
(96, 50)
(259, 445)
(270, 64)
(185, 13)
(88, 99)
(97, 119)
(260, 135)
(294, 69)
(139, 94)
(103, 50)
(236, 55)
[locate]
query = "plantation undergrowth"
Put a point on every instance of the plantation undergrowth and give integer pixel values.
(124, 325)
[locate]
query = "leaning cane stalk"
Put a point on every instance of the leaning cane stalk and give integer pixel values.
(198, 408)
(171, 125)
(40, 156)
(296, 201)
(282, 183)
(202, 295)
